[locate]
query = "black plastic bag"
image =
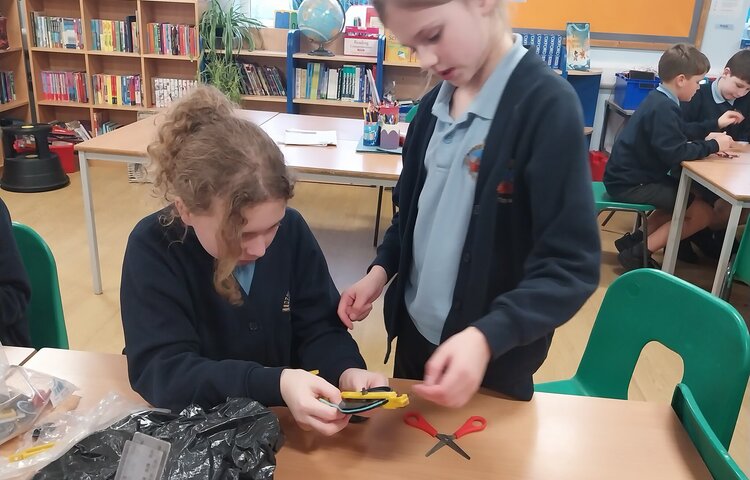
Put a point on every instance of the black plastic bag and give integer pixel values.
(235, 440)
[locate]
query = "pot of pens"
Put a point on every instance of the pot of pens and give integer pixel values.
(388, 120)
(370, 134)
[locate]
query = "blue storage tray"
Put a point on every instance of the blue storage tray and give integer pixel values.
(630, 93)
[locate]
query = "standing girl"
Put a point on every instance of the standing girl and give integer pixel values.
(225, 293)
(495, 243)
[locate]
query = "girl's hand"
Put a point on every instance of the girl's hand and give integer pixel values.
(356, 301)
(301, 390)
(455, 371)
(355, 379)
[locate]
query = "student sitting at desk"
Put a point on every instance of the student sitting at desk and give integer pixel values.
(225, 293)
(652, 143)
(15, 290)
(720, 105)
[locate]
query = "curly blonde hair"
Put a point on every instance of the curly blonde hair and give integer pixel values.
(205, 151)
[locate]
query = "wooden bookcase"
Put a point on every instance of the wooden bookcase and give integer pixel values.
(148, 65)
(12, 60)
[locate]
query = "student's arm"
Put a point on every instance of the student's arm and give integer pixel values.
(321, 341)
(670, 143)
(562, 269)
(15, 291)
(162, 345)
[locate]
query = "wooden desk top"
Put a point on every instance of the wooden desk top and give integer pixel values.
(133, 139)
(346, 128)
(342, 160)
(730, 175)
(17, 355)
(553, 436)
(95, 374)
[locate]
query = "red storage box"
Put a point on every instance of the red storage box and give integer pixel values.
(597, 161)
(64, 150)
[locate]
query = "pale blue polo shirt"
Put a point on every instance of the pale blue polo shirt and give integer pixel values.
(244, 275)
(669, 94)
(446, 200)
(718, 97)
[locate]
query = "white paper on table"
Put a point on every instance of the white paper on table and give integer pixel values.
(310, 137)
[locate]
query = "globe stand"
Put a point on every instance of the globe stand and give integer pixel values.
(322, 52)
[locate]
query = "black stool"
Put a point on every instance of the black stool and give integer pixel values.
(31, 172)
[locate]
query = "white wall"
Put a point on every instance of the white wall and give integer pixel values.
(718, 44)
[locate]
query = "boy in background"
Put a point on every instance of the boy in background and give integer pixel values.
(652, 143)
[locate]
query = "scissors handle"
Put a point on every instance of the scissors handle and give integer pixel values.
(416, 420)
(473, 424)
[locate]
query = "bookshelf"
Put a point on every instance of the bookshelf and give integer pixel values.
(132, 68)
(12, 60)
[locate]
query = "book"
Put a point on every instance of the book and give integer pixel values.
(578, 46)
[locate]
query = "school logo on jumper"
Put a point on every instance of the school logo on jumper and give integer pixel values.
(285, 306)
(473, 159)
(505, 188)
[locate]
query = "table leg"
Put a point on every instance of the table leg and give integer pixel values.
(726, 249)
(377, 217)
(88, 212)
(675, 229)
(603, 134)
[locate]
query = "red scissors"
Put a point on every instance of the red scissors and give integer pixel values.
(473, 424)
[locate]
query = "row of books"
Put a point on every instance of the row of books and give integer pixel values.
(65, 86)
(115, 35)
(57, 32)
(101, 123)
(7, 87)
(348, 83)
(117, 89)
(548, 46)
(261, 80)
(167, 90)
(170, 39)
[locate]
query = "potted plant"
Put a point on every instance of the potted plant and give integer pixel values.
(221, 27)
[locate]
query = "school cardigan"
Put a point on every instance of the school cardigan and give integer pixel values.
(15, 291)
(702, 114)
(187, 344)
(531, 254)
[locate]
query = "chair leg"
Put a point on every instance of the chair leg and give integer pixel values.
(377, 217)
(643, 220)
(609, 217)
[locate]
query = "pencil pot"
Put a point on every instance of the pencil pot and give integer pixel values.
(370, 134)
(389, 137)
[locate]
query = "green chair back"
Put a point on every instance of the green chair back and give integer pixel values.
(714, 455)
(45, 313)
(648, 305)
(740, 268)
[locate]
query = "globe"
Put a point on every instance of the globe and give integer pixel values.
(322, 22)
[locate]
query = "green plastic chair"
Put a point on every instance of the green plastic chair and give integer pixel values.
(45, 312)
(648, 305)
(604, 203)
(720, 465)
(739, 266)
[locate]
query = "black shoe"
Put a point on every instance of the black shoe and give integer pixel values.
(632, 258)
(686, 252)
(709, 242)
(628, 240)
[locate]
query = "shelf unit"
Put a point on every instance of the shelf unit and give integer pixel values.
(147, 65)
(12, 60)
(287, 50)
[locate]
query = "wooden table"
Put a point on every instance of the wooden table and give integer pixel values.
(553, 436)
(336, 164)
(127, 144)
(730, 180)
(17, 355)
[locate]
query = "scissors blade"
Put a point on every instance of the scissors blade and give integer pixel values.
(447, 440)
